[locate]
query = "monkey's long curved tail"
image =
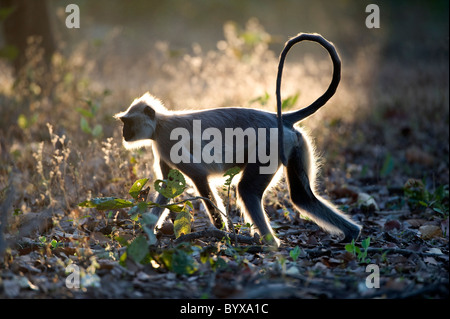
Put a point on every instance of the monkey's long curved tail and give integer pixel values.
(296, 116)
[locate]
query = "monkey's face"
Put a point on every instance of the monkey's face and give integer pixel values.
(138, 124)
(128, 130)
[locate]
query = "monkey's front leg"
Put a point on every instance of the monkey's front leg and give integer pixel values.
(160, 199)
(203, 188)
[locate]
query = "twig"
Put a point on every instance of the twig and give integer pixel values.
(216, 233)
(402, 251)
(393, 212)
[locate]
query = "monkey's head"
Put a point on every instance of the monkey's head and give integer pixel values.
(139, 121)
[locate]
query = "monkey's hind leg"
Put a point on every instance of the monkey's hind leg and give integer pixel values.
(251, 188)
(301, 177)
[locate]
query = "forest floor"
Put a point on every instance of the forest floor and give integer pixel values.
(383, 142)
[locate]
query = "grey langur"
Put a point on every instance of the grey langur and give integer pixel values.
(205, 144)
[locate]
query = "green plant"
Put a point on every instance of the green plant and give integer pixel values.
(231, 173)
(262, 100)
(178, 259)
(295, 253)
(388, 165)
(289, 102)
(53, 244)
(88, 114)
(171, 187)
(418, 197)
(25, 122)
(360, 253)
(286, 103)
(281, 262)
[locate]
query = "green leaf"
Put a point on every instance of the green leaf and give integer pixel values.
(231, 173)
(173, 186)
(182, 224)
(138, 249)
(365, 243)
(122, 259)
(289, 101)
(149, 221)
(104, 203)
(424, 204)
(84, 112)
(6, 12)
(183, 263)
(85, 126)
(350, 247)
(22, 121)
(137, 187)
(142, 207)
(388, 165)
(174, 207)
(263, 99)
(97, 131)
(54, 243)
(294, 253)
(122, 241)
(9, 52)
(152, 240)
(205, 254)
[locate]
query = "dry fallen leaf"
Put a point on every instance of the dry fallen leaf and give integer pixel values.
(167, 227)
(430, 231)
(430, 260)
(415, 223)
(98, 237)
(391, 225)
(366, 201)
(416, 155)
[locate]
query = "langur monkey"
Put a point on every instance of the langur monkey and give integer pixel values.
(146, 122)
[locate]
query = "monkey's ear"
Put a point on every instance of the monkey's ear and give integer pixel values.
(149, 112)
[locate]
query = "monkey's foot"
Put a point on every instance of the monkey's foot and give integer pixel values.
(352, 234)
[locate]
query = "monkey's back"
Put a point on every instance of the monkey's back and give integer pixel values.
(216, 139)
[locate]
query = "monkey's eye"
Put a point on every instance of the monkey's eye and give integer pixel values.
(149, 112)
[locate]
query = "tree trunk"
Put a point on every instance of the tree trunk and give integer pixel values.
(28, 19)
